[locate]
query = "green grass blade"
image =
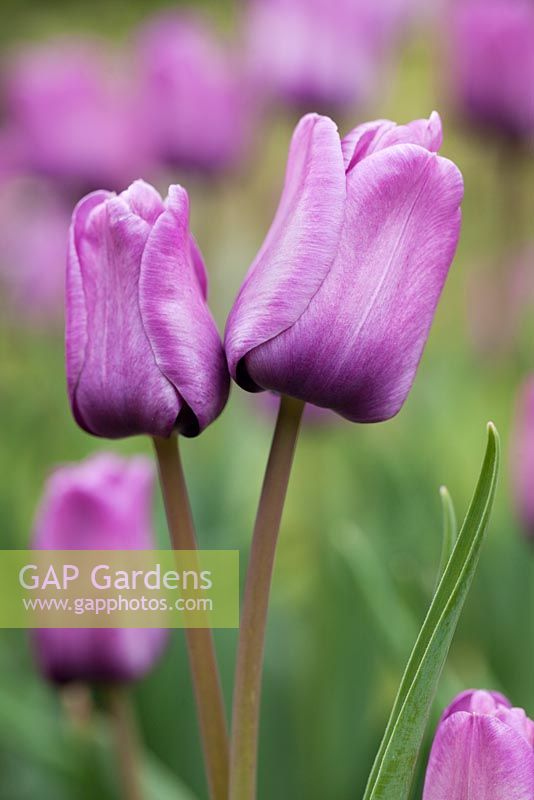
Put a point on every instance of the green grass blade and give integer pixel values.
(450, 530)
(392, 774)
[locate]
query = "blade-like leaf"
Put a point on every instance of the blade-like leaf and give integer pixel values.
(392, 773)
(393, 617)
(450, 530)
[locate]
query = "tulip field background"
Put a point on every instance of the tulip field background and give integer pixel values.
(361, 533)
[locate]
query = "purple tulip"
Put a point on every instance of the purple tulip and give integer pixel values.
(73, 118)
(492, 62)
(483, 750)
(34, 222)
(103, 503)
(192, 93)
(337, 306)
(310, 53)
(143, 352)
(522, 457)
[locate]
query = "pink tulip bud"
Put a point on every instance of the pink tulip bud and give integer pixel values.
(492, 64)
(34, 223)
(483, 750)
(103, 503)
(72, 114)
(143, 352)
(193, 93)
(338, 304)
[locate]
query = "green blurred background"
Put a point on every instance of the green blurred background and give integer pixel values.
(361, 531)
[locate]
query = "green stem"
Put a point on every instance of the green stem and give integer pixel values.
(126, 742)
(201, 650)
(247, 687)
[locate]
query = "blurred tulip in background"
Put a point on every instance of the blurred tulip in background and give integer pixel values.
(492, 64)
(70, 112)
(193, 93)
(34, 223)
(102, 503)
(320, 56)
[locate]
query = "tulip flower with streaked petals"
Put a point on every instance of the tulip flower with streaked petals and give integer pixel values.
(103, 503)
(337, 306)
(522, 457)
(492, 63)
(483, 750)
(143, 352)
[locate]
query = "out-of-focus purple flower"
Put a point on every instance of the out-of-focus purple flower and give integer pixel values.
(34, 223)
(72, 115)
(522, 456)
(483, 749)
(102, 503)
(143, 352)
(492, 64)
(318, 55)
(337, 306)
(193, 93)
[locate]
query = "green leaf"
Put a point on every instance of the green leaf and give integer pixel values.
(450, 530)
(393, 617)
(392, 773)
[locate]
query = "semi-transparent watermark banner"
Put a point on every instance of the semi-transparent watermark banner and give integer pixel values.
(119, 589)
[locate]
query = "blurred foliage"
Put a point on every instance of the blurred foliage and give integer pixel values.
(331, 671)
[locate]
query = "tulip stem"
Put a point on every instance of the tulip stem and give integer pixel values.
(247, 686)
(126, 742)
(200, 646)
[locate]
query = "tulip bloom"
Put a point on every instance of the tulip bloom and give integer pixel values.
(483, 750)
(72, 118)
(34, 222)
(103, 503)
(337, 306)
(309, 53)
(192, 93)
(492, 62)
(143, 352)
(522, 457)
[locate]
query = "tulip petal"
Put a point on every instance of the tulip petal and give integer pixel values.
(357, 346)
(374, 136)
(120, 390)
(477, 757)
(76, 312)
(177, 320)
(299, 248)
(99, 655)
(464, 702)
(102, 503)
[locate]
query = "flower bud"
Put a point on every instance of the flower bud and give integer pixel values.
(193, 93)
(34, 222)
(337, 306)
(143, 352)
(103, 503)
(73, 115)
(492, 64)
(483, 749)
